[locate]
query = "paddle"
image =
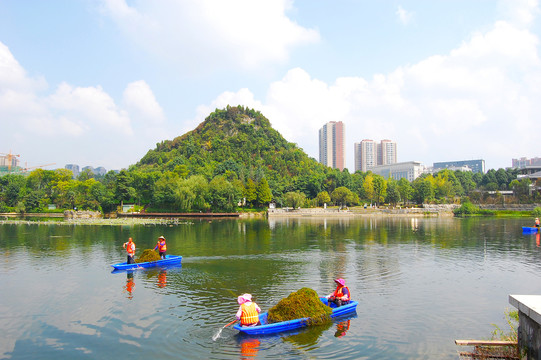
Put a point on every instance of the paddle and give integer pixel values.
(217, 335)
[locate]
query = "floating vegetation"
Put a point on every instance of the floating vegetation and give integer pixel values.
(303, 303)
(148, 255)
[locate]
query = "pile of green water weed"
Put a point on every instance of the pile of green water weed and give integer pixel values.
(148, 255)
(304, 303)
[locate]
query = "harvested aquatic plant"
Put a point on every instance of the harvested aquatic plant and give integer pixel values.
(303, 303)
(148, 255)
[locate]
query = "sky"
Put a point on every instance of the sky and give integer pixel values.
(101, 82)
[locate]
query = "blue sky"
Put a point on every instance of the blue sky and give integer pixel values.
(99, 83)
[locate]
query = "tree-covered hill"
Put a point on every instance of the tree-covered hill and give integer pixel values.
(239, 143)
(235, 160)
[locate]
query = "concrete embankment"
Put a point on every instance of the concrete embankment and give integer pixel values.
(426, 210)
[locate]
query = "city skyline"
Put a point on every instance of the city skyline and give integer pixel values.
(101, 82)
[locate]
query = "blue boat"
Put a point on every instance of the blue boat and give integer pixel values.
(169, 260)
(529, 229)
(266, 328)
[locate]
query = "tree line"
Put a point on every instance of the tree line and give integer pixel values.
(227, 191)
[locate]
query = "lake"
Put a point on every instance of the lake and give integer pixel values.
(421, 283)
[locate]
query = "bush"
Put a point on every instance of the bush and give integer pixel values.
(537, 212)
(466, 209)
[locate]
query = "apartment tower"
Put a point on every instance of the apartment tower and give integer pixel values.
(368, 154)
(332, 146)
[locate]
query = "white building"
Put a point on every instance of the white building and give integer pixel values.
(410, 170)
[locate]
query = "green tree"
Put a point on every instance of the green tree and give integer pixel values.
(294, 199)
(250, 192)
(393, 193)
(223, 195)
(263, 192)
(405, 189)
(323, 198)
(343, 196)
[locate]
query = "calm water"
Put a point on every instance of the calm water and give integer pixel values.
(420, 283)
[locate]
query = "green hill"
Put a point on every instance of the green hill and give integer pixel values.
(239, 143)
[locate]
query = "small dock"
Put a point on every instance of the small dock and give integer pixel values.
(529, 323)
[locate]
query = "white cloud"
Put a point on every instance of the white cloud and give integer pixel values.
(90, 106)
(212, 33)
(520, 13)
(404, 16)
(141, 103)
(45, 126)
(467, 104)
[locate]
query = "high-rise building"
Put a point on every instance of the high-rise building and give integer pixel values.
(368, 154)
(332, 146)
(386, 152)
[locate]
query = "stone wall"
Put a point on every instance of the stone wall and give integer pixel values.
(72, 214)
(528, 336)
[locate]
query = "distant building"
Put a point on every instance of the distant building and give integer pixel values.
(409, 170)
(100, 170)
(95, 171)
(476, 166)
(368, 154)
(332, 146)
(9, 161)
(74, 169)
(88, 168)
(524, 162)
(386, 152)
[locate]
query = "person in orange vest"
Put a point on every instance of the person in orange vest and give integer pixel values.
(161, 246)
(248, 313)
(341, 295)
(130, 249)
(537, 222)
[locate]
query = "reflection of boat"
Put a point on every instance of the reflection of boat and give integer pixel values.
(266, 328)
(169, 260)
(529, 229)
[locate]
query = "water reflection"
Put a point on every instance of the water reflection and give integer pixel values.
(249, 347)
(420, 283)
(162, 278)
(130, 284)
(342, 328)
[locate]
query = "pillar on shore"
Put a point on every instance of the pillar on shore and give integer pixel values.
(529, 324)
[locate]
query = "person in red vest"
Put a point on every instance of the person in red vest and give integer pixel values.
(341, 295)
(161, 246)
(248, 313)
(537, 224)
(130, 249)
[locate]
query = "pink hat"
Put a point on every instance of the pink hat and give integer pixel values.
(340, 281)
(244, 298)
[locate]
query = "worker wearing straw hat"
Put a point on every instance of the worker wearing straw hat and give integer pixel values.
(161, 246)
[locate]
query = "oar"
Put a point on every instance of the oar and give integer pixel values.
(217, 335)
